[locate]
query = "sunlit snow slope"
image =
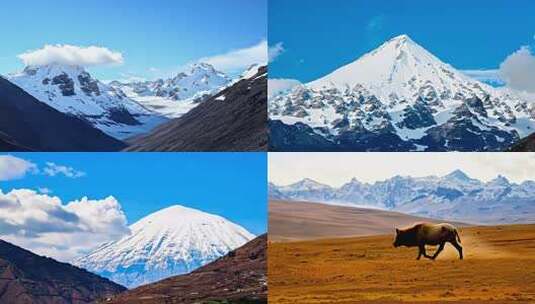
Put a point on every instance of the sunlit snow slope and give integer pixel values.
(169, 242)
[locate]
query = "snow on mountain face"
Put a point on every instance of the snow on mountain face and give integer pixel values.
(72, 90)
(453, 197)
(189, 88)
(169, 242)
(402, 93)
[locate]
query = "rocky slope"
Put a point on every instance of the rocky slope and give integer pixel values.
(172, 241)
(27, 124)
(398, 97)
(29, 278)
(72, 90)
(238, 277)
(453, 197)
(232, 120)
(526, 144)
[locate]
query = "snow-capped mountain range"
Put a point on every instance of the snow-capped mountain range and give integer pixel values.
(72, 90)
(399, 97)
(172, 241)
(175, 96)
(455, 196)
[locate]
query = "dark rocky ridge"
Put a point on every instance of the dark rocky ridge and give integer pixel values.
(526, 144)
(460, 133)
(28, 124)
(237, 123)
(28, 278)
(238, 277)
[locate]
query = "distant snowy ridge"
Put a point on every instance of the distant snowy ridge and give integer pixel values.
(452, 197)
(399, 97)
(72, 90)
(175, 96)
(172, 241)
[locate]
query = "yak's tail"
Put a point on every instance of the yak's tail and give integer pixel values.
(457, 235)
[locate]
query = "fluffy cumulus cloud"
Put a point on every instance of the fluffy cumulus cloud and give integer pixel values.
(518, 70)
(278, 86)
(53, 169)
(239, 59)
(275, 51)
(12, 167)
(71, 55)
(43, 224)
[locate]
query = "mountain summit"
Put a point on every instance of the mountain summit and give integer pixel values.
(172, 241)
(398, 61)
(70, 89)
(398, 97)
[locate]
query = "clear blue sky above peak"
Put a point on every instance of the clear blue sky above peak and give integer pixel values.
(163, 34)
(319, 36)
(232, 185)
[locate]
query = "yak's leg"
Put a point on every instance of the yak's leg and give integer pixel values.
(421, 251)
(439, 250)
(458, 247)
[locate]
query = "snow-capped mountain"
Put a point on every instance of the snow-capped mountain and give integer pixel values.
(399, 97)
(455, 196)
(175, 96)
(172, 241)
(72, 90)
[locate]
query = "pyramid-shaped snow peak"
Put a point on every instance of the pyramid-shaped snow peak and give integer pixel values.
(398, 97)
(397, 67)
(172, 241)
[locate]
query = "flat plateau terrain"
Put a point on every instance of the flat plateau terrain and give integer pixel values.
(298, 221)
(499, 267)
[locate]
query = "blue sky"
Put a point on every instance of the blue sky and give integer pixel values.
(232, 185)
(155, 34)
(318, 36)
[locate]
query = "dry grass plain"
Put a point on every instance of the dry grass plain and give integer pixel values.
(499, 267)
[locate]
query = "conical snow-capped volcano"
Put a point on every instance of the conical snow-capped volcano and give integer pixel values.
(172, 241)
(398, 97)
(72, 90)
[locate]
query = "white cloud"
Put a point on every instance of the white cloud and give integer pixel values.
(44, 225)
(53, 169)
(44, 190)
(488, 76)
(278, 86)
(275, 51)
(518, 70)
(12, 167)
(240, 59)
(71, 55)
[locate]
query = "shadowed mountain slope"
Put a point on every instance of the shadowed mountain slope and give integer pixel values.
(28, 278)
(28, 124)
(232, 120)
(238, 277)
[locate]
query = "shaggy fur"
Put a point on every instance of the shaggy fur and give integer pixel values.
(423, 234)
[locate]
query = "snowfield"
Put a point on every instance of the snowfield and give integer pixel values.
(172, 241)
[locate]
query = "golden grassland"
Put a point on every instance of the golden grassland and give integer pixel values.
(499, 267)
